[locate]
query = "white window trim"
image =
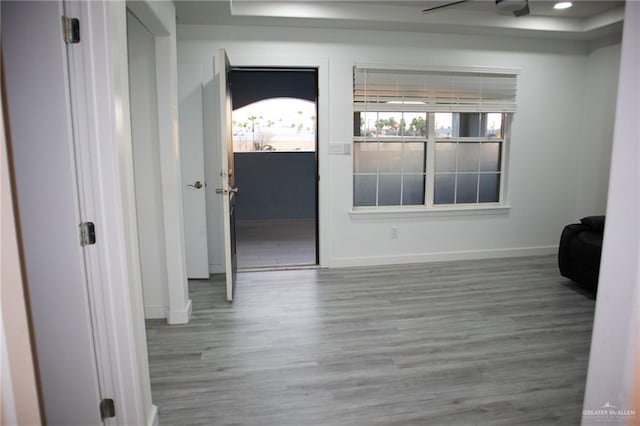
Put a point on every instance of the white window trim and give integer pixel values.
(402, 212)
(429, 208)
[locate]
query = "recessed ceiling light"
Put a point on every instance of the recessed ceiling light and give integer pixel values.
(563, 5)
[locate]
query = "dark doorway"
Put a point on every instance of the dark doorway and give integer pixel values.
(276, 166)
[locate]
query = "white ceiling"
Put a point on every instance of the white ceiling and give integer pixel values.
(586, 20)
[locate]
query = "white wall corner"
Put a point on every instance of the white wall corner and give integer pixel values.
(160, 16)
(156, 312)
(152, 417)
(181, 316)
(216, 268)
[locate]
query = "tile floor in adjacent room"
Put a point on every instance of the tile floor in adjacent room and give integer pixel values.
(275, 243)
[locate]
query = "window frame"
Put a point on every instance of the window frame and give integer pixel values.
(429, 174)
(429, 207)
(378, 141)
(507, 118)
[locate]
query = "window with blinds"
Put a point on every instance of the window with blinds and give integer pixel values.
(433, 91)
(430, 137)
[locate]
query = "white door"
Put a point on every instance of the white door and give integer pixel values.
(192, 163)
(39, 125)
(228, 190)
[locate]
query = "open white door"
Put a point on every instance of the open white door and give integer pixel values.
(44, 154)
(228, 189)
(192, 162)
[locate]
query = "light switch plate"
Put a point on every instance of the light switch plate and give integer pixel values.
(340, 148)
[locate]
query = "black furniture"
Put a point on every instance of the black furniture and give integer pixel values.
(580, 249)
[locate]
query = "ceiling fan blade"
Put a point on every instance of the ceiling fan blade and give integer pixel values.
(521, 12)
(517, 7)
(453, 3)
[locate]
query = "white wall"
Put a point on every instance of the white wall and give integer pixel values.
(18, 389)
(614, 361)
(601, 81)
(548, 142)
(146, 157)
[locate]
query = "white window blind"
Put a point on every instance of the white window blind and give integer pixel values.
(377, 89)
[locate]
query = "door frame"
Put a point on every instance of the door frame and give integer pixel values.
(98, 94)
(100, 88)
(316, 149)
(323, 252)
(163, 28)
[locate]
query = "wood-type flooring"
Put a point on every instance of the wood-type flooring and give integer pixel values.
(491, 342)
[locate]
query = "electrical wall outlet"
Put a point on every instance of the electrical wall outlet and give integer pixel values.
(394, 232)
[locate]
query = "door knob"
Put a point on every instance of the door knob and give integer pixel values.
(197, 184)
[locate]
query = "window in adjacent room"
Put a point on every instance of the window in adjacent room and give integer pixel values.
(432, 138)
(275, 124)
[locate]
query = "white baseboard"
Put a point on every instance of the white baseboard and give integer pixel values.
(441, 257)
(215, 268)
(181, 316)
(199, 277)
(155, 312)
(153, 416)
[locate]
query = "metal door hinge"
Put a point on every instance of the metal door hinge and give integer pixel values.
(107, 409)
(87, 233)
(71, 30)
